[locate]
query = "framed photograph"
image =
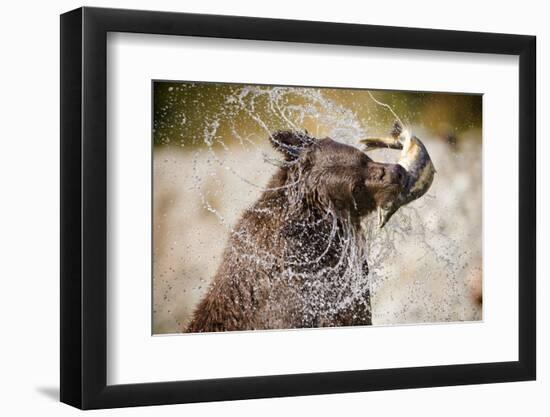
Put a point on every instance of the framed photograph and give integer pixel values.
(257, 208)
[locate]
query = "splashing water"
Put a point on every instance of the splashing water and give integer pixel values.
(417, 263)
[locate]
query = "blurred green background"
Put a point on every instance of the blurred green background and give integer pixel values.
(183, 112)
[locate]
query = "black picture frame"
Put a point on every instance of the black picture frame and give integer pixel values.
(84, 207)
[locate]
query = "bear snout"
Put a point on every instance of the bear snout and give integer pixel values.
(384, 183)
(395, 174)
(386, 174)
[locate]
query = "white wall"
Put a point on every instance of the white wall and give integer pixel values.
(29, 224)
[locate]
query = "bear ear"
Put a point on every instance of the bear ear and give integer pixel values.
(290, 144)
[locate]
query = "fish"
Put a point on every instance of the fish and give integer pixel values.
(416, 161)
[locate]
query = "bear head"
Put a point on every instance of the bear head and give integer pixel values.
(334, 176)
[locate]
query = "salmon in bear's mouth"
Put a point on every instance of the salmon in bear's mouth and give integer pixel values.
(416, 161)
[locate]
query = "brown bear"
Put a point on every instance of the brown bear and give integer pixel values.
(297, 257)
